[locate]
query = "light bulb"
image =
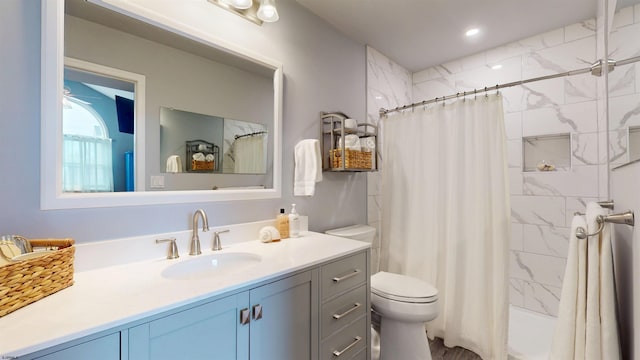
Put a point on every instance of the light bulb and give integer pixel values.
(267, 11)
(242, 4)
(472, 32)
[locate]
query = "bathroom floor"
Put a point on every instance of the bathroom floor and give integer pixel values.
(441, 352)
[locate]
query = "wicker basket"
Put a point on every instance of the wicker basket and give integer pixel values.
(202, 165)
(27, 281)
(353, 160)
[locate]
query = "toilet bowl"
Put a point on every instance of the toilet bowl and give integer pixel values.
(404, 304)
(401, 305)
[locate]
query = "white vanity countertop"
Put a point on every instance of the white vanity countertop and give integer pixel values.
(111, 296)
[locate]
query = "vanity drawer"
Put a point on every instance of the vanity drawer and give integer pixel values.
(343, 310)
(346, 343)
(344, 274)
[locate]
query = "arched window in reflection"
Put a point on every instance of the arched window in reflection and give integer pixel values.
(86, 149)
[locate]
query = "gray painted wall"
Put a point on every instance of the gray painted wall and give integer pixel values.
(324, 71)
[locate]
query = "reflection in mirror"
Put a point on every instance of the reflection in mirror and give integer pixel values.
(192, 142)
(245, 147)
(185, 69)
(98, 117)
(624, 84)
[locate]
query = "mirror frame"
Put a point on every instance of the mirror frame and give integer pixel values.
(52, 77)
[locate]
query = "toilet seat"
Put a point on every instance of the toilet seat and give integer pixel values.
(403, 288)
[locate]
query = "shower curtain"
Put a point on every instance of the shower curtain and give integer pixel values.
(250, 155)
(446, 216)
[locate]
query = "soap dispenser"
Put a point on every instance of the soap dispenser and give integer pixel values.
(282, 224)
(294, 222)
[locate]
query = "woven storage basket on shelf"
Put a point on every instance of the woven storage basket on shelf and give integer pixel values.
(26, 281)
(202, 165)
(353, 160)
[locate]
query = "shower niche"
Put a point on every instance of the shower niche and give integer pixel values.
(545, 153)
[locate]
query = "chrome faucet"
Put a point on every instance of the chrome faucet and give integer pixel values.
(216, 239)
(194, 247)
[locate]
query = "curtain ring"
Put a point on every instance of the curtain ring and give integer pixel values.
(443, 101)
(475, 94)
(486, 94)
(497, 91)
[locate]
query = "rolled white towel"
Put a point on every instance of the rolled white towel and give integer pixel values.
(351, 142)
(209, 157)
(198, 156)
(368, 144)
(350, 124)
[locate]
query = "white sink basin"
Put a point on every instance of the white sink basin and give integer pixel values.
(204, 266)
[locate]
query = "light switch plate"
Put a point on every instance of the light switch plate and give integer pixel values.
(157, 182)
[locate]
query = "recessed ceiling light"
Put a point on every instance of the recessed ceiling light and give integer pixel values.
(496, 66)
(472, 32)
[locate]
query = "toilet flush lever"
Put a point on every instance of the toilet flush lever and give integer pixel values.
(348, 276)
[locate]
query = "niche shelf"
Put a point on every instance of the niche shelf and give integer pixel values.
(554, 150)
(634, 143)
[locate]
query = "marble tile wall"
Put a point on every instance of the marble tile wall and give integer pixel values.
(542, 203)
(388, 85)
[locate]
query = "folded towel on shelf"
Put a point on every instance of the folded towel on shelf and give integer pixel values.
(351, 142)
(174, 164)
(198, 156)
(368, 144)
(308, 167)
(209, 157)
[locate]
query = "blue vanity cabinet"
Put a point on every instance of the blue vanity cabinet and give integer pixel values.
(284, 319)
(103, 348)
(277, 320)
(209, 331)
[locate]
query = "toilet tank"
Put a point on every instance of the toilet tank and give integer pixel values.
(355, 232)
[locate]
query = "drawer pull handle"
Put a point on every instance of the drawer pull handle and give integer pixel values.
(353, 308)
(348, 276)
(337, 353)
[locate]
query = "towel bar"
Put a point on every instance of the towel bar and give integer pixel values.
(626, 217)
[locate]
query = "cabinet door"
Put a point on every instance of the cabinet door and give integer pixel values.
(209, 331)
(284, 322)
(104, 348)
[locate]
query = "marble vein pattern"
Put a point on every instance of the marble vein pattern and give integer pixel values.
(542, 204)
(388, 86)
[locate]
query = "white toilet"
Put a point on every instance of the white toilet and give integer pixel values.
(403, 304)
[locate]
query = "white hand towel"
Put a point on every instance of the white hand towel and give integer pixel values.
(209, 157)
(568, 341)
(602, 323)
(198, 156)
(308, 167)
(174, 164)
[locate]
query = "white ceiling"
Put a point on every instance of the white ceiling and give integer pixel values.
(418, 34)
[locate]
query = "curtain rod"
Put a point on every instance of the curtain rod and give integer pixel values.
(595, 69)
(252, 134)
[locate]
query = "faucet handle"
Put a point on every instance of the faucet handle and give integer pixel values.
(216, 239)
(173, 248)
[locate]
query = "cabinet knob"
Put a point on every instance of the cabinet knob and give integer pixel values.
(244, 316)
(257, 312)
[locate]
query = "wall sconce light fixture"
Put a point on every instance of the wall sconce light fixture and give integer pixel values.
(256, 11)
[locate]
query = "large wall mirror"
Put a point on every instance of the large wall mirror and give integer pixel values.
(176, 115)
